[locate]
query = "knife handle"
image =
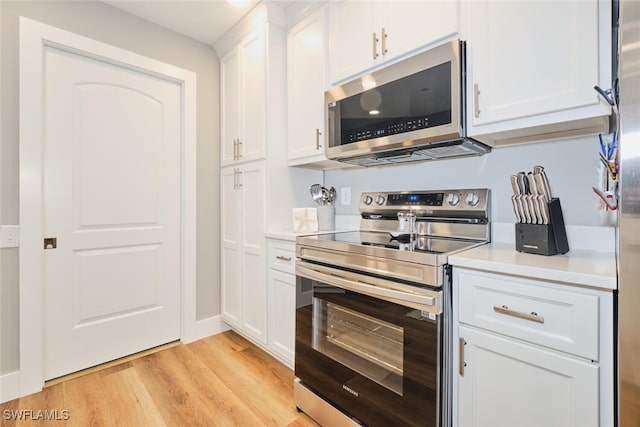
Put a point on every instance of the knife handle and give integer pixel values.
(514, 185)
(525, 209)
(547, 187)
(542, 188)
(544, 208)
(516, 209)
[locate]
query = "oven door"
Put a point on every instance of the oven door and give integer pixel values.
(370, 346)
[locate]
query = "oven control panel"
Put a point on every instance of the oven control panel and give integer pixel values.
(437, 202)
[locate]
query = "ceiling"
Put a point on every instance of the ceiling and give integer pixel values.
(203, 20)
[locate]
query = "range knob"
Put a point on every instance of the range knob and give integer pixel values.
(367, 200)
(379, 199)
(472, 199)
(453, 199)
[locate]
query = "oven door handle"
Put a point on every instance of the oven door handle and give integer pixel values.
(339, 279)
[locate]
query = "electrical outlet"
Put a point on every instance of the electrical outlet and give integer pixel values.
(9, 236)
(345, 196)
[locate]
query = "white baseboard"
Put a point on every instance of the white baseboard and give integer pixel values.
(9, 386)
(205, 328)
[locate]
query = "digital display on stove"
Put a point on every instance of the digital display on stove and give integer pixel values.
(428, 199)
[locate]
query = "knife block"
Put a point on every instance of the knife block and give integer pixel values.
(544, 239)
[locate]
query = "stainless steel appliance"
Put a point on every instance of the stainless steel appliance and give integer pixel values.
(629, 217)
(373, 317)
(409, 111)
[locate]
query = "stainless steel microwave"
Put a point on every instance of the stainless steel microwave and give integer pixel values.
(412, 110)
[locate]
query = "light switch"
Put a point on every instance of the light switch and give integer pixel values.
(345, 196)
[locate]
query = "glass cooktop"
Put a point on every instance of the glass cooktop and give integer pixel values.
(422, 249)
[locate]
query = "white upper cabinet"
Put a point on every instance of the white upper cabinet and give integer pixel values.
(532, 67)
(365, 34)
(243, 100)
(306, 61)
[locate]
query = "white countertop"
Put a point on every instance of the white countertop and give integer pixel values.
(578, 267)
(343, 223)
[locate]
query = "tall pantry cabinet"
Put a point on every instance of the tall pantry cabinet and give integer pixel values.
(257, 189)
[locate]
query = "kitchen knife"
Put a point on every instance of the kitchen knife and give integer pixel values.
(544, 198)
(533, 201)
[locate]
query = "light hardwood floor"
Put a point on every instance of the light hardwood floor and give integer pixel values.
(223, 380)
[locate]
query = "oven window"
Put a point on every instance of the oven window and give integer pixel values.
(369, 346)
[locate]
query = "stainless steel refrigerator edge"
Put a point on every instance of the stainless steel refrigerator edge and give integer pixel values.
(629, 219)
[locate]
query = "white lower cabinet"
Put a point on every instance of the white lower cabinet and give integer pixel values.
(282, 300)
(506, 383)
(531, 353)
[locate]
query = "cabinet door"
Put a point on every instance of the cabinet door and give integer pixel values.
(534, 58)
(282, 313)
(254, 282)
(243, 101)
(231, 229)
(230, 77)
(351, 45)
(307, 59)
(506, 383)
(253, 100)
(410, 25)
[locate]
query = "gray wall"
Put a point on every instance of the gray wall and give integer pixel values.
(113, 26)
(570, 164)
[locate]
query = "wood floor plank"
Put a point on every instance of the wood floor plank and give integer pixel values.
(257, 377)
(129, 401)
(220, 381)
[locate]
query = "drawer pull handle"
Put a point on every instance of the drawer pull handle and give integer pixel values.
(283, 258)
(533, 316)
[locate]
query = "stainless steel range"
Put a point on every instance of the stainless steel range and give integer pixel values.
(373, 317)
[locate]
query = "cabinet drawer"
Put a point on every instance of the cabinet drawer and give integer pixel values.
(282, 256)
(560, 319)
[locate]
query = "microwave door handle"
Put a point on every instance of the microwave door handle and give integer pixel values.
(365, 288)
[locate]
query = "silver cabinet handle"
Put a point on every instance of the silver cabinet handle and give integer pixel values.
(461, 362)
(318, 133)
(283, 258)
(235, 150)
(239, 152)
(383, 37)
(235, 179)
(533, 316)
(239, 178)
(476, 100)
(375, 46)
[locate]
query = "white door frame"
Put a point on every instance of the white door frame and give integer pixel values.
(34, 38)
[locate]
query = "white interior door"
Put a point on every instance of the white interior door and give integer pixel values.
(112, 199)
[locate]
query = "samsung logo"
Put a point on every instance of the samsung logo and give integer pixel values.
(355, 393)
